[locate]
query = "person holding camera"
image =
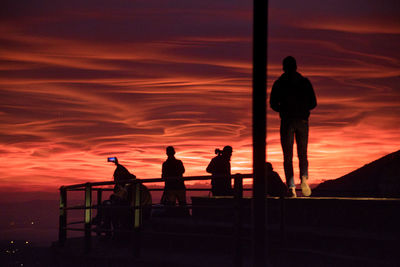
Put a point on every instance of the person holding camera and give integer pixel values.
(220, 169)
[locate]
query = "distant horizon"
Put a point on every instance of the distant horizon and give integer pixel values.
(29, 196)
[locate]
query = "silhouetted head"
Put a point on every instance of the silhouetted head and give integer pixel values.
(268, 166)
(170, 151)
(289, 64)
(227, 152)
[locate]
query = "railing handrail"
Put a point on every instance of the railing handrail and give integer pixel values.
(155, 180)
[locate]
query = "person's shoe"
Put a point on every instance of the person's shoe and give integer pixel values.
(305, 189)
(292, 192)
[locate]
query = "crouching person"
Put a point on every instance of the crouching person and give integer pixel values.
(274, 185)
(114, 215)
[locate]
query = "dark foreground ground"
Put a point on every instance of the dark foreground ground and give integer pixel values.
(326, 232)
(314, 247)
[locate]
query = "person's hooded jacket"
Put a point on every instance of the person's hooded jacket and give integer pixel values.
(293, 96)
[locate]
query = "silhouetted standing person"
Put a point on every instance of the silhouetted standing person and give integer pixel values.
(220, 166)
(293, 96)
(172, 173)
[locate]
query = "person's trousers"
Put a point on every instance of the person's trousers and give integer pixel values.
(292, 129)
(171, 196)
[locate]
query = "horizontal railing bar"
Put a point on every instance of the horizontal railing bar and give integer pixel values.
(74, 229)
(153, 206)
(79, 222)
(155, 180)
(76, 189)
(93, 189)
(193, 189)
(197, 206)
(74, 207)
(103, 189)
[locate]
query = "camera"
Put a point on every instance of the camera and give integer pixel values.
(218, 151)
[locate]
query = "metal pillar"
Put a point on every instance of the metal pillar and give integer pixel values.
(238, 201)
(88, 217)
(137, 218)
(62, 231)
(260, 19)
(99, 198)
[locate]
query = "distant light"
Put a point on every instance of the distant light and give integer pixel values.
(12, 242)
(32, 222)
(26, 242)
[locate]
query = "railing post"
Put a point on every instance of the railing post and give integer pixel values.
(88, 217)
(238, 195)
(62, 230)
(99, 198)
(137, 218)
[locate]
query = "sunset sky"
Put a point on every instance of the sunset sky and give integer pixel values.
(84, 80)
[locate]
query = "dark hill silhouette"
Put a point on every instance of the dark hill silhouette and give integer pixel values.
(380, 178)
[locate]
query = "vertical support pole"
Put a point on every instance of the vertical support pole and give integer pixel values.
(99, 197)
(88, 217)
(137, 218)
(138, 207)
(62, 230)
(238, 189)
(260, 32)
(99, 209)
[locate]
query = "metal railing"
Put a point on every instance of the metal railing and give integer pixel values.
(135, 205)
(282, 208)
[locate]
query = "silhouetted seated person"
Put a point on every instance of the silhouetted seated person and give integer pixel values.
(274, 185)
(174, 190)
(220, 168)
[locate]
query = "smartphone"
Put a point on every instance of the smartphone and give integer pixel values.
(112, 159)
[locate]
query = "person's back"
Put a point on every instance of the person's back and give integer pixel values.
(220, 167)
(173, 168)
(172, 172)
(293, 96)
